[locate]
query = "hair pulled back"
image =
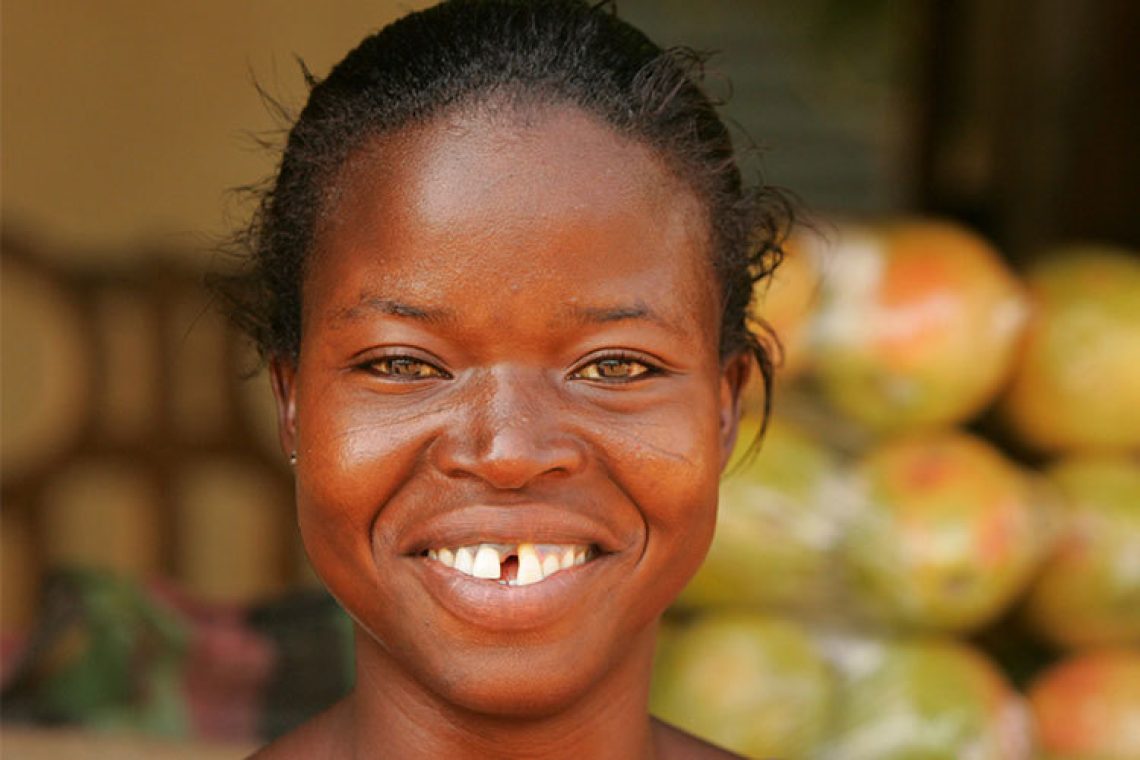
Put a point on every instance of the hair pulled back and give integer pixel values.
(463, 52)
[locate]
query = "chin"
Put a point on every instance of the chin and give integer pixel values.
(524, 695)
(532, 681)
(528, 681)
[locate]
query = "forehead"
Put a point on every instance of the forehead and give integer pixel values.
(513, 192)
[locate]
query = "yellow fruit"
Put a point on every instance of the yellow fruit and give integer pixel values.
(950, 533)
(1089, 707)
(1077, 384)
(1088, 593)
(917, 325)
(752, 684)
(925, 699)
(774, 528)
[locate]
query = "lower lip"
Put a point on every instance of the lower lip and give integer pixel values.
(494, 606)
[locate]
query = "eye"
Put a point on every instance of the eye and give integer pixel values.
(403, 368)
(615, 369)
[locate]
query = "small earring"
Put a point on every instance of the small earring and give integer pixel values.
(292, 458)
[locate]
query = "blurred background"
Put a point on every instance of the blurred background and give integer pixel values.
(951, 488)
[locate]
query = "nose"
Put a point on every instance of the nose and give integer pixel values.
(510, 432)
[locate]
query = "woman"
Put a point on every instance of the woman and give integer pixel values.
(501, 280)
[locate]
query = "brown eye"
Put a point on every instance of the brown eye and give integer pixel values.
(404, 368)
(614, 369)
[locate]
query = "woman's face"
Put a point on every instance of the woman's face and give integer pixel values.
(509, 339)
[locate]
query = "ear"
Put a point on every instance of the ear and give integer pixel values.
(282, 375)
(733, 377)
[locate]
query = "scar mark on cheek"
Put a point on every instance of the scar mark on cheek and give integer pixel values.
(632, 441)
(388, 423)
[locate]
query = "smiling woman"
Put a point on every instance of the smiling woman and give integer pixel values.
(501, 281)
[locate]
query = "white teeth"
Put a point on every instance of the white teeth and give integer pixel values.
(530, 568)
(535, 562)
(487, 563)
(464, 560)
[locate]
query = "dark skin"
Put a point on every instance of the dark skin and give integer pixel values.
(510, 333)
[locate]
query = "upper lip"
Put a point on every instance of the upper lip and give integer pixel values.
(514, 524)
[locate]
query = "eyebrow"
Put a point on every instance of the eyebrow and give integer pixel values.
(638, 310)
(372, 304)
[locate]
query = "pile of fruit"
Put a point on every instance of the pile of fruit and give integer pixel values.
(936, 551)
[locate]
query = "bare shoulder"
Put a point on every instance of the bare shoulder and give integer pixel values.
(674, 744)
(315, 739)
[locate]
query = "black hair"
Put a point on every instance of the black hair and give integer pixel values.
(463, 52)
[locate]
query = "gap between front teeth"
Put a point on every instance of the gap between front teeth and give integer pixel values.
(536, 562)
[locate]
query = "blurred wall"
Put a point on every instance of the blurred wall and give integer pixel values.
(129, 437)
(124, 122)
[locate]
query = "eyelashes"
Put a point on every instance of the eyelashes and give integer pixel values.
(404, 368)
(614, 368)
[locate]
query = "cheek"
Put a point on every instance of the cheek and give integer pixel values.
(352, 457)
(670, 467)
(350, 446)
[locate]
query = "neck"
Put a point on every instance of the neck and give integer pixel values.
(390, 714)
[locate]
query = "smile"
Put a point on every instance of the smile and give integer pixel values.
(513, 564)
